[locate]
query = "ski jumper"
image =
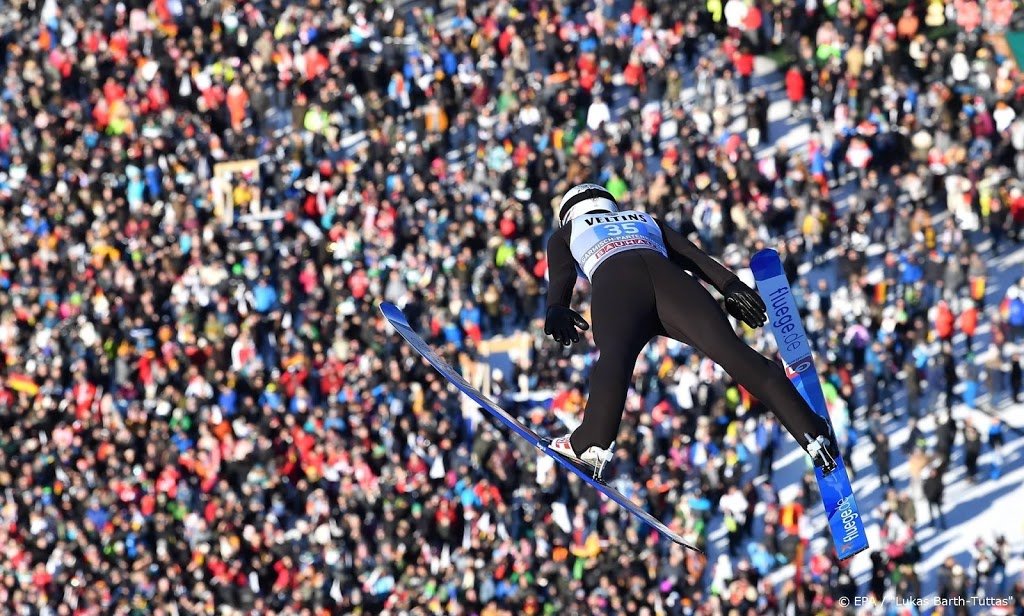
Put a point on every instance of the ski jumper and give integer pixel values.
(638, 268)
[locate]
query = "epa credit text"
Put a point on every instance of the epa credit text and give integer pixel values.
(928, 601)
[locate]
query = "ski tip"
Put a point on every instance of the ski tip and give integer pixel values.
(765, 253)
(766, 262)
(391, 312)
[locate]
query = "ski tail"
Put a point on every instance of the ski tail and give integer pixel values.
(836, 491)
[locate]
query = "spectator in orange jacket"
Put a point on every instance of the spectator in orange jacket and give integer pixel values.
(969, 323)
(944, 321)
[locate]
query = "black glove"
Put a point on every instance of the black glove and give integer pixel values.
(745, 304)
(561, 324)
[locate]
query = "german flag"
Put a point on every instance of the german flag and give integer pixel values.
(881, 293)
(978, 288)
(296, 360)
(23, 384)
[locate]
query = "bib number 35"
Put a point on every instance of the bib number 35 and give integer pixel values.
(625, 228)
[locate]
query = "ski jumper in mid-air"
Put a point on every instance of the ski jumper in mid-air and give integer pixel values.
(638, 269)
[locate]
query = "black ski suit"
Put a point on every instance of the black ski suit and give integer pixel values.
(639, 293)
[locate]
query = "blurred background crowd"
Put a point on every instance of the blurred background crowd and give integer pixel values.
(203, 203)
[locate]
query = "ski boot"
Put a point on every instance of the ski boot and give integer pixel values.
(823, 452)
(594, 456)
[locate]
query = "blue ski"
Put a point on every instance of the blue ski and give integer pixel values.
(844, 518)
(397, 319)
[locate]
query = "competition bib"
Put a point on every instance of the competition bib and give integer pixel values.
(595, 237)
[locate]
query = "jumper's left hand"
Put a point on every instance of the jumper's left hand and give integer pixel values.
(561, 324)
(745, 304)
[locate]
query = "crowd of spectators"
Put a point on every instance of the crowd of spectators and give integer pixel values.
(204, 202)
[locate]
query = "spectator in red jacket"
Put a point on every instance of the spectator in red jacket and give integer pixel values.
(968, 323)
(795, 89)
(743, 60)
(944, 321)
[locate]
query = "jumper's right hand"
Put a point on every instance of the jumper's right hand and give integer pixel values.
(561, 324)
(744, 304)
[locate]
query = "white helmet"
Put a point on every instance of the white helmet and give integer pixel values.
(584, 199)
